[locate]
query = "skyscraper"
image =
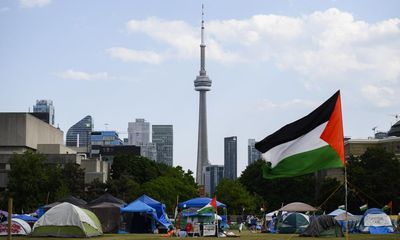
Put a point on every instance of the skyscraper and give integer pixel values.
(79, 134)
(252, 153)
(139, 135)
(230, 157)
(163, 138)
(45, 106)
(202, 84)
(138, 132)
(213, 174)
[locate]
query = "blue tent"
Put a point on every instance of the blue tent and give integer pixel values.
(162, 217)
(138, 217)
(198, 202)
(25, 217)
(375, 221)
(138, 206)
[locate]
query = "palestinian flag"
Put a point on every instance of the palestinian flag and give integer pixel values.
(210, 207)
(307, 145)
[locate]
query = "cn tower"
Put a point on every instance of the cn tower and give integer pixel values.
(202, 84)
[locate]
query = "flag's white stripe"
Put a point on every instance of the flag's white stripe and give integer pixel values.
(307, 142)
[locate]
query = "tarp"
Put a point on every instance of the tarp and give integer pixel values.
(138, 217)
(18, 227)
(138, 206)
(61, 219)
(25, 217)
(162, 216)
(198, 202)
(324, 225)
(375, 220)
(298, 207)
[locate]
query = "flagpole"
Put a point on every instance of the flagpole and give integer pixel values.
(345, 202)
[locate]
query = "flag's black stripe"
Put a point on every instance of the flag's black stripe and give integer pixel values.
(300, 127)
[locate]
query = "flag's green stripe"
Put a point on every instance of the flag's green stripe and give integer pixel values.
(305, 162)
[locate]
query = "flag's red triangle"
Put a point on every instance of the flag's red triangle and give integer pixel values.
(333, 132)
(213, 202)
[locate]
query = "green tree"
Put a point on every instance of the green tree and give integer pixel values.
(172, 183)
(236, 197)
(95, 189)
(124, 188)
(30, 181)
(280, 191)
(373, 178)
(73, 176)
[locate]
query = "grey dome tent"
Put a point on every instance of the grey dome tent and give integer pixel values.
(107, 209)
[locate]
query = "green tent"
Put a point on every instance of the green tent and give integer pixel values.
(294, 223)
(67, 220)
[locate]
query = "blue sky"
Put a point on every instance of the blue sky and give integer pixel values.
(271, 62)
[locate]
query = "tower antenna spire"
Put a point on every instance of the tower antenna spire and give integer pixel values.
(202, 24)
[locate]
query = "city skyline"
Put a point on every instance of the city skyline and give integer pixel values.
(271, 62)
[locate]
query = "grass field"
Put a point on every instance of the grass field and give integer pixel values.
(243, 236)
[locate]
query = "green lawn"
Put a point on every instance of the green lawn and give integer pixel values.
(243, 236)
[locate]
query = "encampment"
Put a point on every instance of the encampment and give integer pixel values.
(67, 220)
(375, 221)
(138, 217)
(18, 227)
(108, 209)
(293, 222)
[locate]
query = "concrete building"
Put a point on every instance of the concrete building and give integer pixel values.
(252, 153)
(213, 174)
(149, 150)
(78, 135)
(138, 132)
(45, 106)
(20, 132)
(139, 135)
(230, 157)
(95, 169)
(202, 84)
(163, 137)
(108, 152)
(357, 147)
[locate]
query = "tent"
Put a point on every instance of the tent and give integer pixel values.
(108, 209)
(198, 202)
(375, 221)
(338, 212)
(67, 220)
(138, 217)
(293, 222)
(107, 197)
(162, 216)
(298, 207)
(18, 227)
(70, 199)
(322, 226)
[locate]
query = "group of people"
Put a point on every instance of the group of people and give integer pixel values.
(249, 221)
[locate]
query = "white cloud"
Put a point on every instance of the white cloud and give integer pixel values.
(33, 3)
(268, 105)
(380, 96)
(322, 48)
(79, 75)
(131, 55)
